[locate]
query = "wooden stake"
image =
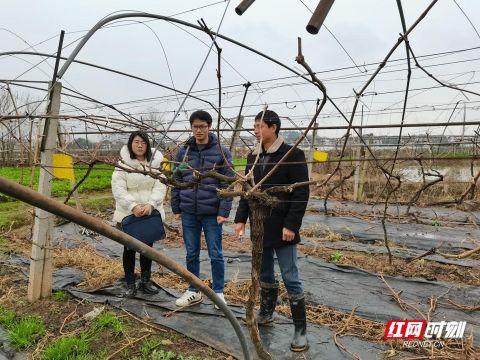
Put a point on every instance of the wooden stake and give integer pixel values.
(40, 279)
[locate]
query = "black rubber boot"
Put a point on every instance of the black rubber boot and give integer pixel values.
(268, 302)
(297, 306)
(146, 285)
(131, 290)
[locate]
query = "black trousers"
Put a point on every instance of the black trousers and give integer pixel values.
(129, 263)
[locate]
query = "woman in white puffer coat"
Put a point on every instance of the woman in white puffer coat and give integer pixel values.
(137, 194)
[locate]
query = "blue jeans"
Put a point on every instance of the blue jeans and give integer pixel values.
(192, 227)
(287, 260)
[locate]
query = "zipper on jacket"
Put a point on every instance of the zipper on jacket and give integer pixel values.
(197, 185)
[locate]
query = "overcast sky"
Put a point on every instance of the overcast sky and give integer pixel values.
(367, 29)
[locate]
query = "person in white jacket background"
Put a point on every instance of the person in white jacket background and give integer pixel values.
(137, 194)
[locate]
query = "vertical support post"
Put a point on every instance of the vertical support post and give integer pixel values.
(312, 150)
(358, 166)
(41, 268)
(239, 122)
(40, 278)
(358, 169)
(78, 205)
(236, 135)
(464, 120)
(36, 150)
(363, 170)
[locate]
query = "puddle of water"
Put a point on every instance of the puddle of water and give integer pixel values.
(455, 174)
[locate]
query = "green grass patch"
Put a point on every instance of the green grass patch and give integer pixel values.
(26, 331)
(170, 355)
(99, 178)
(239, 164)
(68, 348)
(7, 317)
(60, 296)
(14, 215)
(108, 320)
(4, 248)
(336, 256)
(460, 153)
(150, 350)
(99, 202)
(149, 345)
(22, 331)
(80, 347)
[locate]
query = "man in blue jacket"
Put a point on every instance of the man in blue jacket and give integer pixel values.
(199, 207)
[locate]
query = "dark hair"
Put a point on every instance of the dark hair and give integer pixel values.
(270, 118)
(144, 136)
(201, 115)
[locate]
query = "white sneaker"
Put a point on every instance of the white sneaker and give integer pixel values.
(222, 297)
(189, 298)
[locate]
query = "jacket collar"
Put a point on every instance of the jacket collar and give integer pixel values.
(134, 163)
(273, 148)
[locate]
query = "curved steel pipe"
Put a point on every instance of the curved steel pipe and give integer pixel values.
(243, 6)
(75, 52)
(108, 19)
(319, 15)
(46, 203)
